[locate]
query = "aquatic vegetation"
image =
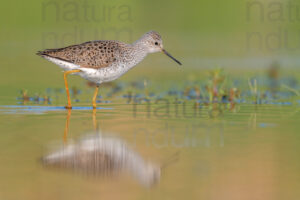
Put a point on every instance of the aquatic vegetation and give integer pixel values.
(216, 91)
(36, 99)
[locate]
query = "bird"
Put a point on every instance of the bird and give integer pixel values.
(101, 61)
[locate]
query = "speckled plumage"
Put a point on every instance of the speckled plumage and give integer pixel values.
(92, 54)
(104, 60)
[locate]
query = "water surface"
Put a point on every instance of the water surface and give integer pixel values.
(249, 152)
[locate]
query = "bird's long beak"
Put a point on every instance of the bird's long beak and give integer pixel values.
(165, 52)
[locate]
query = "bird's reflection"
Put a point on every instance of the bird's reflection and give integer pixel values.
(100, 154)
(67, 126)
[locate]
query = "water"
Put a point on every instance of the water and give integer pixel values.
(248, 152)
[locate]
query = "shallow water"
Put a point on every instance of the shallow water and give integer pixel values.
(249, 152)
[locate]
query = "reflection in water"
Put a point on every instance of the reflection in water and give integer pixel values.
(67, 126)
(102, 155)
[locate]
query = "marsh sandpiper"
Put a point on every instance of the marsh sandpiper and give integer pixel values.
(103, 60)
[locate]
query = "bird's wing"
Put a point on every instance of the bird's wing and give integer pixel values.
(93, 54)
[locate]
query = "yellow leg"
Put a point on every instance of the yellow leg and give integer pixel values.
(67, 126)
(95, 97)
(67, 88)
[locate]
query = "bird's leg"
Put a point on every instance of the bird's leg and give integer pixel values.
(66, 73)
(95, 97)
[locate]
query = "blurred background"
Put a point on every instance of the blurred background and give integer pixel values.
(244, 35)
(231, 110)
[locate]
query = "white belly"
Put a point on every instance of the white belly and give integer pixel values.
(102, 75)
(98, 76)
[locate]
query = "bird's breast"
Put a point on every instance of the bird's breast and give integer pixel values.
(114, 71)
(105, 74)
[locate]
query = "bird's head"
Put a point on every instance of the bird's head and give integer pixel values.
(152, 41)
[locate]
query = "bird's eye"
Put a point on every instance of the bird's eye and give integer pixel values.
(156, 43)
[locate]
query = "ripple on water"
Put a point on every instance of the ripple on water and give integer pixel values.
(22, 109)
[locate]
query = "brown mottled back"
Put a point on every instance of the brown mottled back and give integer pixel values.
(93, 54)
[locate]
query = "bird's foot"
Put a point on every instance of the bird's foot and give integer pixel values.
(68, 107)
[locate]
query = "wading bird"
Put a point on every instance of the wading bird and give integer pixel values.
(103, 60)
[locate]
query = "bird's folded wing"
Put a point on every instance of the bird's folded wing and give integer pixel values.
(93, 54)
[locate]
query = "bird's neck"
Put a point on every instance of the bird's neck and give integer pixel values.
(138, 53)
